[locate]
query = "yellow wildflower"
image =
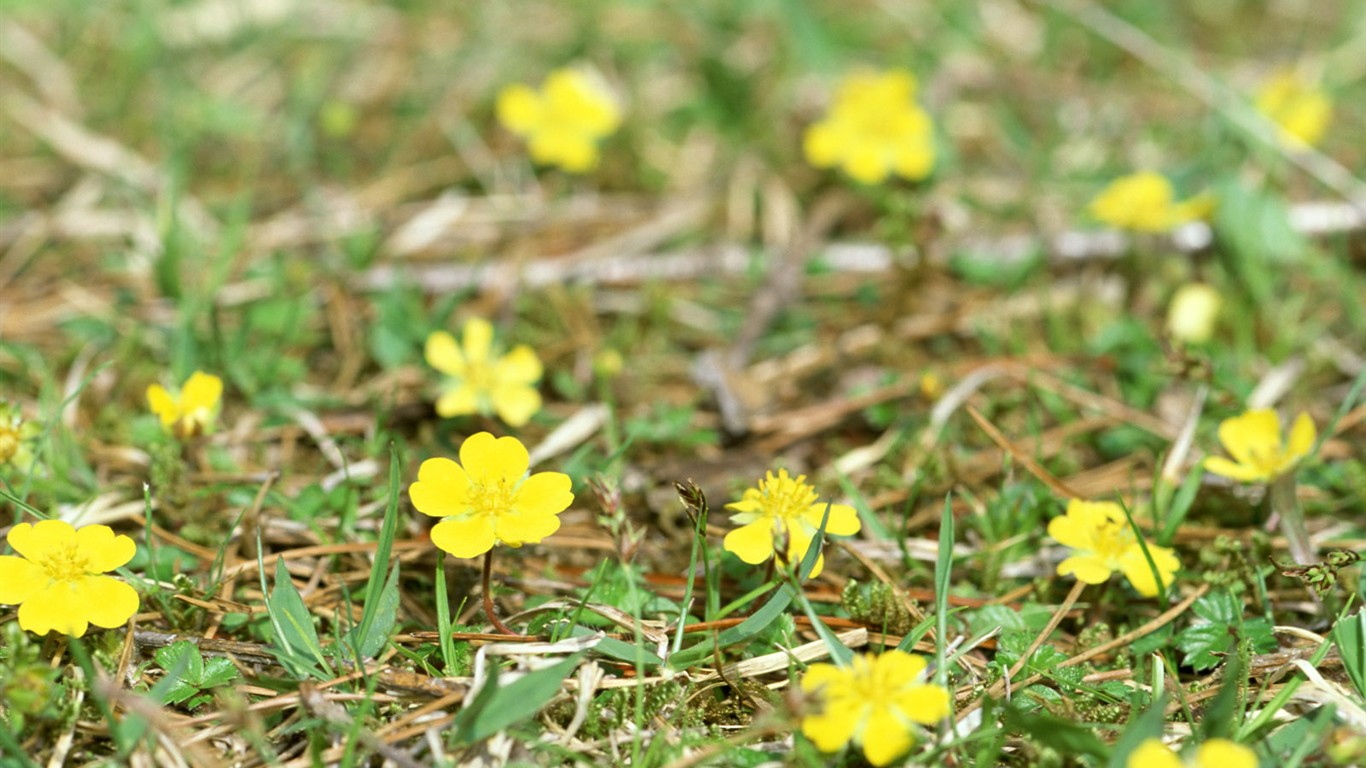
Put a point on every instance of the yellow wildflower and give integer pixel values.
(56, 580)
(563, 121)
(194, 410)
(1253, 439)
(878, 702)
(874, 128)
(487, 498)
(1299, 108)
(1145, 202)
(1191, 315)
(1104, 542)
(15, 436)
(783, 509)
(482, 381)
(1215, 753)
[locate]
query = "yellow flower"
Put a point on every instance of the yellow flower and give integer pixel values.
(878, 702)
(15, 436)
(483, 381)
(1301, 109)
(874, 128)
(1215, 753)
(563, 121)
(1104, 543)
(1191, 315)
(192, 412)
(487, 498)
(784, 509)
(1145, 202)
(56, 580)
(1254, 441)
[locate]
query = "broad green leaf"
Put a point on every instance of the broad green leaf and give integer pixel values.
(497, 707)
(297, 645)
(1350, 636)
(1068, 737)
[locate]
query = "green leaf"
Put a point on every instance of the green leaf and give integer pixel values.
(371, 636)
(1066, 736)
(296, 641)
(496, 707)
(1207, 642)
(1350, 636)
(184, 671)
(756, 623)
(1221, 716)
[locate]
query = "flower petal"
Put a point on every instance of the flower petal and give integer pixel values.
(752, 543)
(826, 677)
(546, 493)
(478, 339)
(1222, 753)
(107, 602)
(444, 354)
(1241, 472)
(897, 665)
(487, 459)
(1253, 437)
(1087, 568)
(1135, 568)
(460, 400)
(885, 736)
(1302, 437)
(925, 704)
(201, 390)
(518, 108)
(464, 536)
(1152, 753)
(520, 366)
(515, 404)
(103, 550)
(798, 542)
(19, 579)
(442, 488)
(843, 520)
(38, 540)
(162, 404)
(55, 607)
(516, 529)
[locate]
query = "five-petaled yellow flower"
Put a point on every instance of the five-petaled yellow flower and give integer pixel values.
(487, 498)
(56, 580)
(1253, 439)
(784, 510)
(1298, 107)
(563, 121)
(15, 436)
(1215, 753)
(1104, 542)
(874, 129)
(1146, 202)
(878, 702)
(483, 381)
(194, 410)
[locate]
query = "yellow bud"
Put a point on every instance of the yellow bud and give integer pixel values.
(1193, 311)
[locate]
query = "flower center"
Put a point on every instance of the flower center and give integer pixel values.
(786, 498)
(1112, 539)
(479, 376)
(64, 564)
(9, 442)
(492, 498)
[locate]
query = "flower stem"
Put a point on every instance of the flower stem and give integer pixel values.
(488, 597)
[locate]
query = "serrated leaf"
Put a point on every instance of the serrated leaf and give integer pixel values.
(1207, 642)
(218, 671)
(497, 707)
(184, 672)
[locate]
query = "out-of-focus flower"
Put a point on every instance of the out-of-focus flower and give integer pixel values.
(483, 381)
(784, 509)
(874, 129)
(16, 437)
(1215, 753)
(192, 411)
(1253, 439)
(1192, 313)
(1104, 542)
(57, 579)
(879, 702)
(488, 498)
(564, 120)
(1146, 202)
(1298, 107)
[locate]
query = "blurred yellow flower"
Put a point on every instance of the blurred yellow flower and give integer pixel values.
(878, 702)
(488, 498)
(1299, 107)
(1104, 542)
(56, 580)
(194, 410)
(1145, 202)
(563, 121)
(1192, 313)
(1215, 753)
(483, 381)
(784, 510)
(874, 129)
(15, 436)
(1253, 439)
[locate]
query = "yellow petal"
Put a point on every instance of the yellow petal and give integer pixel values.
(1253, 437)
(544, 493)
(1153, 754)
(1222, 753)
(1078, 527)
(865, 164)
(1241, 472)
(443, 354)
(798, 542)
(515, 404)
(520, 366)
(1135, 568)
(460, 400)
(1086, 568)
(843, 519)
(915, 161)
(442, 489)
(56, 607)
(103, 550)
(519, 109)
(37, 541)
(1302, 437)
(162, 404)
(925, 704)
(19, 579)
(898, 665)
(752, 543)
(201, 390)
(885, 737)
(107, 601)
(821, 145)
(824, 677)
(464, 537)
(478, 339)
(518, 528)
(487, 459)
